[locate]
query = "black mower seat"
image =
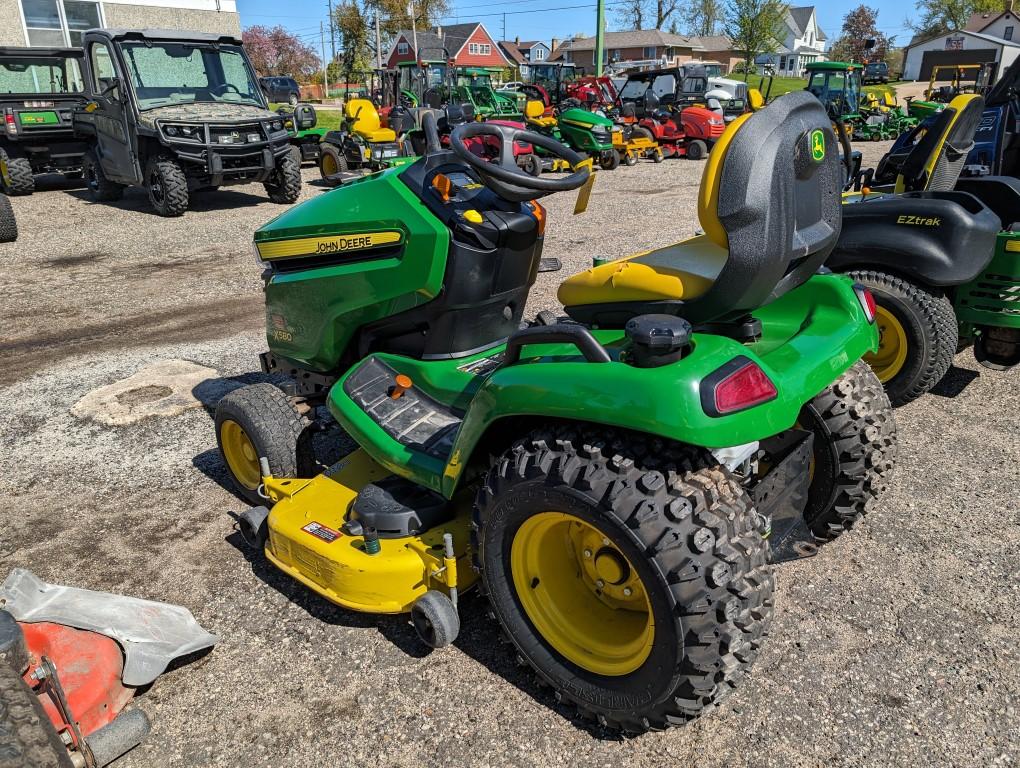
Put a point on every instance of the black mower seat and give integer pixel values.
(770, 207)
(936, 161)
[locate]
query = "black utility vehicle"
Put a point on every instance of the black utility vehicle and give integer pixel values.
(175, 112)
(39, 90)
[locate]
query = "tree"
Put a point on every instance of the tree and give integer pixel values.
(352, 27)
(631, 14)
(703, 18)
(860, 25)
(277, 52)
(639, 14)
(941, 16)
(755, 27)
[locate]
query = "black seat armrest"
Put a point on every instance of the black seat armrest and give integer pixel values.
(999, 193)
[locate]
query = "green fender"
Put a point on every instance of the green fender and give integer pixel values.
(810, 337)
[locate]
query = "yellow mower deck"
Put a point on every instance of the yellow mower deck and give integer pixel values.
(306, 541)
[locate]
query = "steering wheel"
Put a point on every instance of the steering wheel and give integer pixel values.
(221, 89)
(504, 176)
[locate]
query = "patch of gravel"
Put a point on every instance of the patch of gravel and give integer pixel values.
(896, 645)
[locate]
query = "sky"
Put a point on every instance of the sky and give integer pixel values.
(543, 19)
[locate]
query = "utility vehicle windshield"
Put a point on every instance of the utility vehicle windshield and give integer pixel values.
(185, 73)
(50, 74)
(661, 85)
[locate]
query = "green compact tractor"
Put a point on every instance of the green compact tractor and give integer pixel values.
(473, 85)
(837, 84)
(941, 256)
(615, 480)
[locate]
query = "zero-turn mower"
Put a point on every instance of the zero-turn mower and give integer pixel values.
(363, 145)
(613, 479)
(940, 254)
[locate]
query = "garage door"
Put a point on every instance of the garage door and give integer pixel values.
(940, 58)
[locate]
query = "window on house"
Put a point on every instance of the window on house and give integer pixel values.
(539, 54)
(403, 48)
(59, 22)
(782, 63)
(614, 54)
(1007, 33)
(649, 52)
(479, 49)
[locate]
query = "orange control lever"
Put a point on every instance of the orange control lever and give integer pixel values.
(401, 384)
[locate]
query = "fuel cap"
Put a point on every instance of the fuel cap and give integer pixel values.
(657, 339)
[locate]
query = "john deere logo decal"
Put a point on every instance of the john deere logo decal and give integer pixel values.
(308, 246)
(817, 145)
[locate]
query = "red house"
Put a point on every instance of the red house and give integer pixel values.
(469, 45)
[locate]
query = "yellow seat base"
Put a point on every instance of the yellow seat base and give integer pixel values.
(377, 136)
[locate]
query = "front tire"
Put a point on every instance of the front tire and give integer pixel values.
(533, 165)
(284, 186)
(8, 223)
(854, 450)
(629, 574)
(609, 160)
(260, 421)
(16, 174)
(167, 186)
(697, 150)
(332, 163)
(919, 335)
(101, 188)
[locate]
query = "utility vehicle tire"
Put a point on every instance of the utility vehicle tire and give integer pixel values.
(284, 186)
(435, 619)
(920, 335)
(8, 223)
(101, 188)
(167, 186)
(609, 161)
(533, 165)
(331, 163)
(260, 420)
(18, 179)
(27, 739)
(569, 519)
(697, 150)
(854, 450)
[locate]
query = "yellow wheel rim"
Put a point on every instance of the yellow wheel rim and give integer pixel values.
(328, 164)
(892, 346)
(582, 594)
(239, 451)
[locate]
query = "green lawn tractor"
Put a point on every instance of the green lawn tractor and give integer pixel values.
(881, 119)
(581, 130)
(941, 256)
(301, 122)
(613, 481)
(363, 145)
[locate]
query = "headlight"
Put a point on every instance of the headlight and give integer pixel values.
(276, 125)
(171, 130)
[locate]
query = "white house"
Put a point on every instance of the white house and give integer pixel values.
(962, 47)
(803, 44)
(1004, 24)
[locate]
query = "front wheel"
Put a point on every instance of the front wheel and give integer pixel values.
(609, 160)
(332, 164)
(532, 165)
(697, 150)
(628, 573)
(284, 186)
(630, 159)
(167, 186)
(854, 450)
(260, 421)
(919, 335)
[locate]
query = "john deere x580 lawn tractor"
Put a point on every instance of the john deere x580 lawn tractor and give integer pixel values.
(614, 479)
(940, 254)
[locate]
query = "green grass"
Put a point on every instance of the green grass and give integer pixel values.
(324, 118)
(781, 85)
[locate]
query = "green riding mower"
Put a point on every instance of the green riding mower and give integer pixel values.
(614, 480)
(301, 121)
(363, 145)
(579, 129)
(940, 254)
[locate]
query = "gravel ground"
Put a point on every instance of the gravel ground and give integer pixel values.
(894, 646)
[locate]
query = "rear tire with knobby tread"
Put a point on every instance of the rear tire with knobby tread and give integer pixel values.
(284, 186)
(27, 738)
(8, 222)
(20, 177)
(167, 186)
(690, 531)
(277, 430)
(855, 447)
(932, 331)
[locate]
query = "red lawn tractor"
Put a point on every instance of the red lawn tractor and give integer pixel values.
(689, 133)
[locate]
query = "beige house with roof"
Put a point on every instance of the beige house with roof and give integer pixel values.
(640, 45)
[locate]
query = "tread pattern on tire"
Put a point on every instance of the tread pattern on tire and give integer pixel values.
(8, 222)
(272, 421)
(27, 739)
(175, 187)
(855, 417)
(22, 177)
(285, 183)
(662, 493)
(935, 313)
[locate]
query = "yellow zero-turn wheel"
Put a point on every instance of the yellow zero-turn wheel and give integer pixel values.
(581, 593)
(328, 164)
(892, 346)
(240, 454)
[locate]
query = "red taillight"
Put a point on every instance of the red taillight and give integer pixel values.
(867, 301)
(736, 386)
(10, 123)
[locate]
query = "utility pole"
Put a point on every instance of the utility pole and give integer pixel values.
(325, 67)
(414, 29)
(378, 43)
(504, 26)
(600, 36)
(332, 31)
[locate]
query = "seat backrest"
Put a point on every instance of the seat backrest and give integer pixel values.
(362, 115)
(937, 159)
(770, 195)
(534, 109)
